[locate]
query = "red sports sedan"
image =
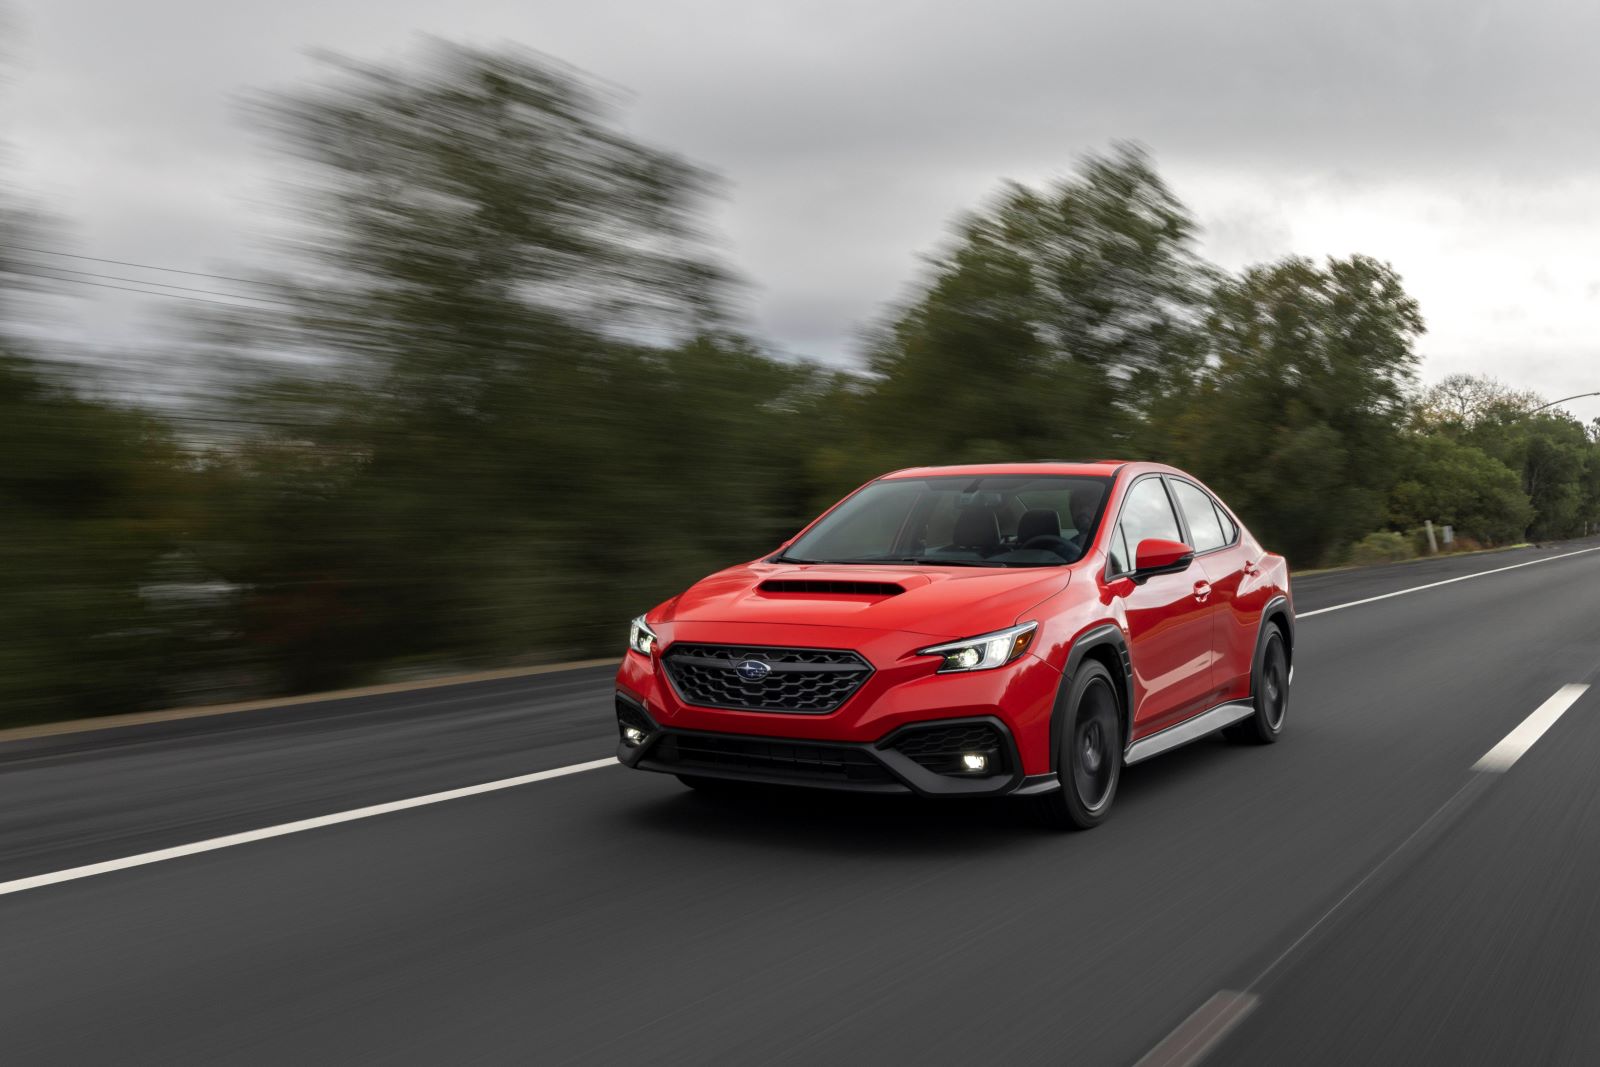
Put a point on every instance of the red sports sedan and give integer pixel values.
(1010, 628)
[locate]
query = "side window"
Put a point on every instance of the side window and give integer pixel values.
(1201, 516)
(1230, 529)
(1120, 560)
(1146, 513)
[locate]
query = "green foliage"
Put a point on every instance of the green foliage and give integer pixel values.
(1385, 546)
(1453, 483)
(88, 507)
(528, 423)
(1055, 323)
(1295, 417)
(1552, 454)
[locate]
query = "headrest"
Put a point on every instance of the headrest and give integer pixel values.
(1038, 522)
(977, 528)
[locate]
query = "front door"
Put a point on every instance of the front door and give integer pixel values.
(1170, 617)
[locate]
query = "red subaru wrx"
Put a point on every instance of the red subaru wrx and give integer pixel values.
(1011, 628)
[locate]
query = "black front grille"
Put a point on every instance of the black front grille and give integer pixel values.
(802, 681)
(939, 748)
(689, 752)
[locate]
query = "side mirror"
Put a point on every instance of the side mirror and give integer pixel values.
(1160, 556)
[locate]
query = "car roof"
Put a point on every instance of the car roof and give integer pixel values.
(1091, 467)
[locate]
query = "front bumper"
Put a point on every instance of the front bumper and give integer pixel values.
(909, 760)
(902, 689)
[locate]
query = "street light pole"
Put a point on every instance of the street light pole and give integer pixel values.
(1563, 400)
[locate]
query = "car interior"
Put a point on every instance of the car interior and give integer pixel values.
(1038, 527)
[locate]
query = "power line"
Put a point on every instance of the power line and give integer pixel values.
(145, 292)
(142, 266)
(140, 281)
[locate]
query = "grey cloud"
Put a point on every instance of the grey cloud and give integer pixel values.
(851, 132)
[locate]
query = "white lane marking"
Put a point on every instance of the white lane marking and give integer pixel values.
(1435, 585)
(1197, 1035)
(1511, 747)
(1441, 818)
(212, 844)
(1200, 1032)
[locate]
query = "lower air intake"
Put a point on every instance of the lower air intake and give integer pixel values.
(940, 748)
(797, 760)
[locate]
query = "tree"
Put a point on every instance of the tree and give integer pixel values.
(88, 514)
(520, 414)
(1459, 403)
(1295, 420)
(1055, 323)
(1549, 450)
(1453, 483)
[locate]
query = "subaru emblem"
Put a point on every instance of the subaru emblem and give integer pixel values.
(752, 670)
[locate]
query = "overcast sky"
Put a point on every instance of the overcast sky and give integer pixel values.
(1455, 139)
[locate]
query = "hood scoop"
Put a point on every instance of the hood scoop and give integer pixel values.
(815, 586)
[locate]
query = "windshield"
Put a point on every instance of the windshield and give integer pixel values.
(960, 520)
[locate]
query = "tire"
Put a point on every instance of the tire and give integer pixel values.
(1089, 753)
(1269, 691)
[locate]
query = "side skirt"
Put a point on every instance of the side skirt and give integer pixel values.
(1207, 722)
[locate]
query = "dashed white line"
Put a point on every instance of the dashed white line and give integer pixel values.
(1447, 581)
(1211, 1022)
(1200, 1032)
(211, 845)
(1511, 747)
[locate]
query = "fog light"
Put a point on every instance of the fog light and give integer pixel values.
(634, 736)
(974, 761)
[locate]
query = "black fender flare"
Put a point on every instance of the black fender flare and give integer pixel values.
(1277, 611)
(1106, 635)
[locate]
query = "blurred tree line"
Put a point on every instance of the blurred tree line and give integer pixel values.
(503, 404)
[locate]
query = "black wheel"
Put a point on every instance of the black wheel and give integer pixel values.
(1269, 689)
(1089, 756)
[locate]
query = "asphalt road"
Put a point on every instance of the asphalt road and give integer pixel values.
(1355, 894)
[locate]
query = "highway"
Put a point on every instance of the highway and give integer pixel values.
(1357, 894)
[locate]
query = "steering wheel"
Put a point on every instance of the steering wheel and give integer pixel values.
(1050, 543)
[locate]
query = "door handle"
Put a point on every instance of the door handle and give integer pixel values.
(1252, 569)
(1202, 590)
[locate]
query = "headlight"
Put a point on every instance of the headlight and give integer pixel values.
(641, 638)
(983, 653)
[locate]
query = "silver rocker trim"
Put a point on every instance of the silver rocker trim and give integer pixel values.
(1207, 722)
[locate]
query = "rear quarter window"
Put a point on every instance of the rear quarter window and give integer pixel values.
(1200, 515)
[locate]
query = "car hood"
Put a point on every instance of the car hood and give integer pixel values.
(944, 602)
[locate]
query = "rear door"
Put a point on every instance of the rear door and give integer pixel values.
(1169, 625)
(1222, 560)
